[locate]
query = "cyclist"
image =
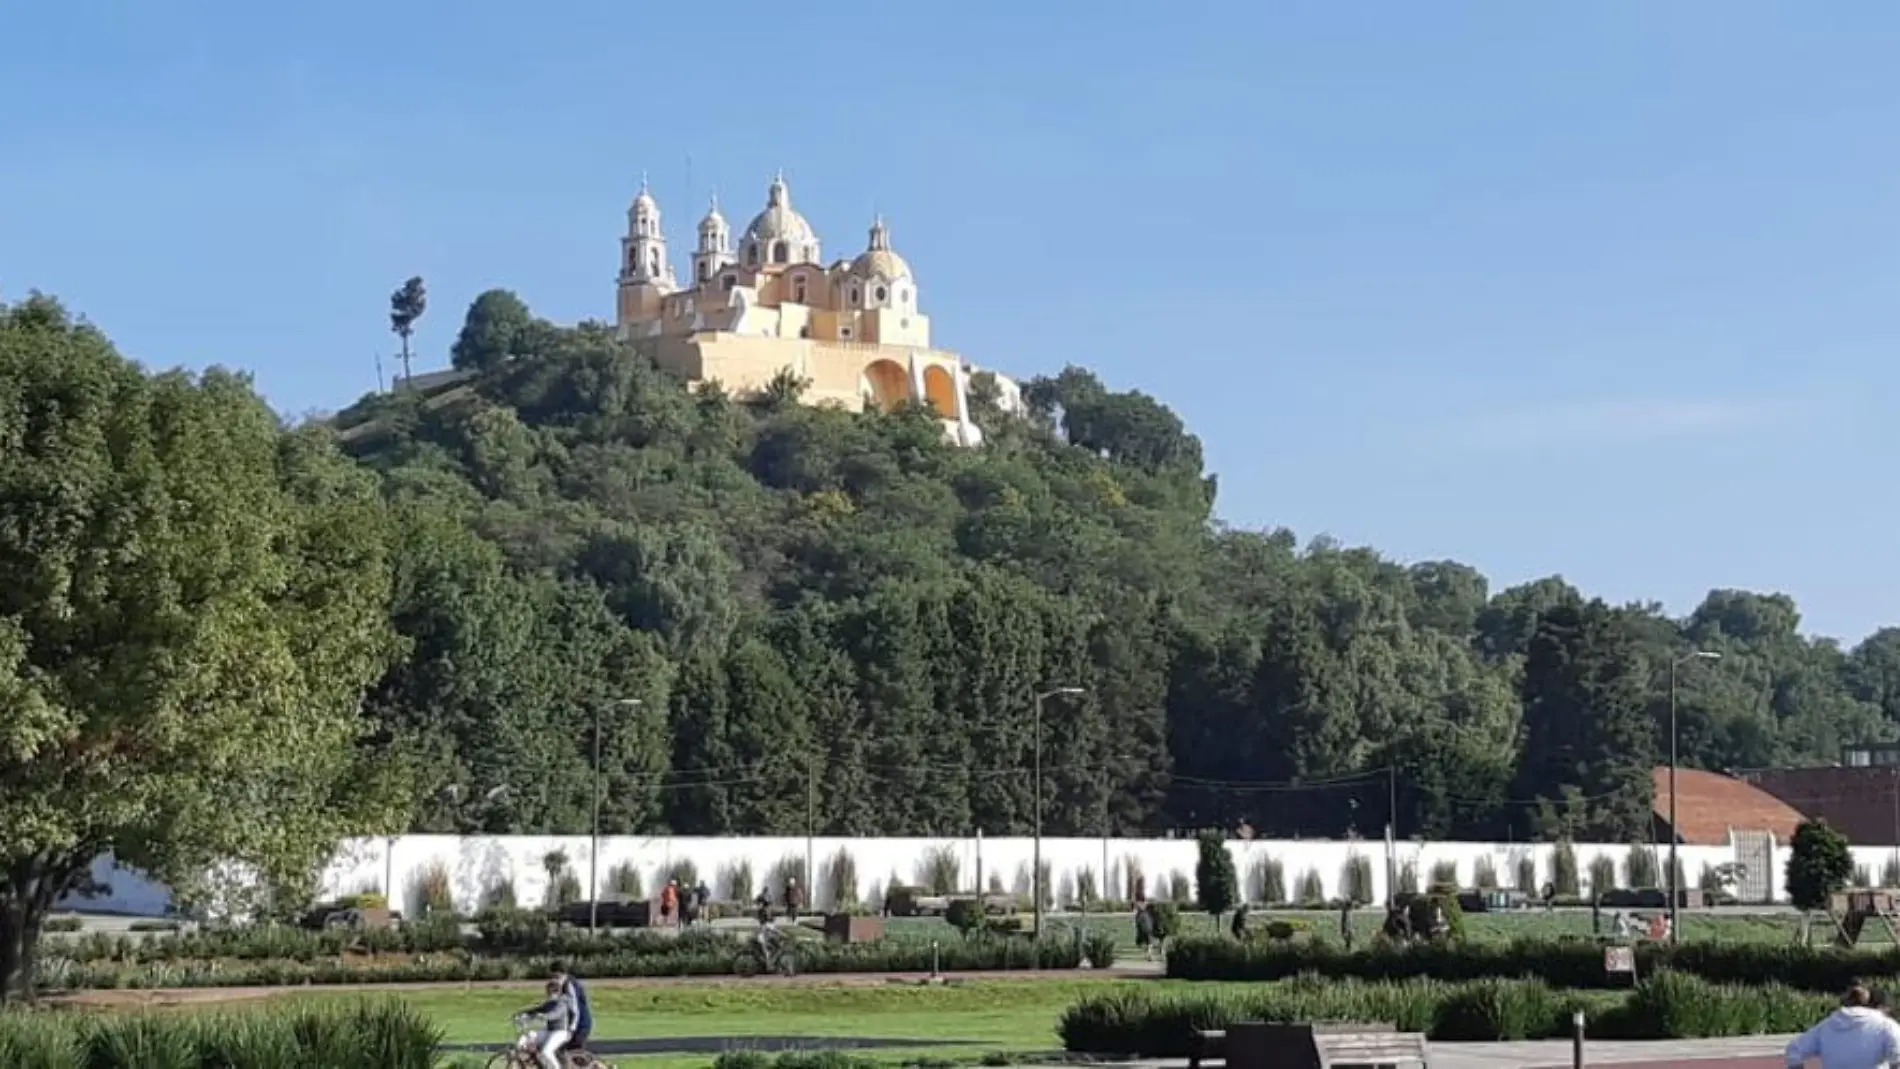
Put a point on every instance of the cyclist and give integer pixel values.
(572, 987)
(557, 1026)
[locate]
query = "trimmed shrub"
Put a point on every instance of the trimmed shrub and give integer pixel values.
(1086, 892)
(499, 894)
(1132, 883)
(941, 870)
(1640, 867)
(1266, 881)
(624, 879)
(1356, 879)
(1180, 887)
(736, 878)
(1563, 870)
(1143, 1022)
(1311, 892)
(433, 893)
(1445, 873)
(1216, 888)
(1484, 874)
(841, 879)
(682, 871)
(1890, 873)
(1526, 876)
(1408, 878)
(1602, 876)
(1568, 963)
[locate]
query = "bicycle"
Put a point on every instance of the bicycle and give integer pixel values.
(767, 953)
(520, 1054)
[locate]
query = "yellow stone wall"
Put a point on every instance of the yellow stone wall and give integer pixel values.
(840, 373)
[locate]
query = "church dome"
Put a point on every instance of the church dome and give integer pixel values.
(879, 260)
(713, 220)
(779, 221)
(880, 263)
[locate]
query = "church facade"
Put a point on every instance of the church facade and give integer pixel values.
(768, 303)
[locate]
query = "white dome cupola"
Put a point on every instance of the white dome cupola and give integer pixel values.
(779, 235)
(881, 278)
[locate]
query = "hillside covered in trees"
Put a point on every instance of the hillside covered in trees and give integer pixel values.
(840, 614)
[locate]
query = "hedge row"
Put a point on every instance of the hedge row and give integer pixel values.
(952, 955)
(1564, 963)
(502, 932)
(1149, 1024)
(384, 1034)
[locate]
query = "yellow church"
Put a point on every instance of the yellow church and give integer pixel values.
(852, 330)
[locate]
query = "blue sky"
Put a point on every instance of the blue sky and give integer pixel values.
(1606, 289)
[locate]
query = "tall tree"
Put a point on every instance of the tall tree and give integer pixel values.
(1589, 743)
(406, 306)
(182, 589)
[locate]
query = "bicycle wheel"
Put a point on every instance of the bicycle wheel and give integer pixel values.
(746, 963)
(787, 965)
(507, 1059)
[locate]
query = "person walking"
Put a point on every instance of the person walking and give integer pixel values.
(670, 903)
(1856, 1036)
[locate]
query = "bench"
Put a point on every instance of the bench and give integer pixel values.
(1207, 1046)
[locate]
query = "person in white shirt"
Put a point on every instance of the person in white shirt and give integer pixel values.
(1856, 1036)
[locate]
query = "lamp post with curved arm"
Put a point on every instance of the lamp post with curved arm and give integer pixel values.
(1675, 833)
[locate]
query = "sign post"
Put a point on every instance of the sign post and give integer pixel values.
(1620, 960)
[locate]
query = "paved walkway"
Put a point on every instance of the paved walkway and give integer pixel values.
(1743, 1052)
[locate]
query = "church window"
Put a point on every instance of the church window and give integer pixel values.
(752, 253)
(731, 281)
(798, 290)
(779, 253)
(845, 333)
(856, 295)
(904, 323)
(654, 261)
(882, 294)
(705, 271)
(903, 295)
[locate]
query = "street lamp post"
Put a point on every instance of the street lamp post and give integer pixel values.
(1675, 833)
(593, 845)
(1036, 860)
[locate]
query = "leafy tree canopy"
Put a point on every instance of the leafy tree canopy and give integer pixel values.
(840, 619)
(192, 601)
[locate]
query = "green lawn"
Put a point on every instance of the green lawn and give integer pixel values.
(984, 1016)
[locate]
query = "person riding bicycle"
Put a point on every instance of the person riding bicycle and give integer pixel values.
(557, 1025)
(583, 1012)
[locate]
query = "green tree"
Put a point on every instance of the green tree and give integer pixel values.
(406, 306)
(1216, 886)
(498, 327)
(183, 589)
(1819, 863)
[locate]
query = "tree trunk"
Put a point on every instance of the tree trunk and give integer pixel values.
(21, 918)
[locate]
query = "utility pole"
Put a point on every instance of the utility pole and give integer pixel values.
(1036, 860)
(811, 831)
(1675, 832)
(1391, 835)
(593, 846)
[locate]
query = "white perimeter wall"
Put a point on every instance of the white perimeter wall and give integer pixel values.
(475, 864)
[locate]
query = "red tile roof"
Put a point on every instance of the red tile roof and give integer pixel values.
(1712, 803)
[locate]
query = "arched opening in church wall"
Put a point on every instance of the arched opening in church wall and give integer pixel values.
(940, 390)
(886, 384)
